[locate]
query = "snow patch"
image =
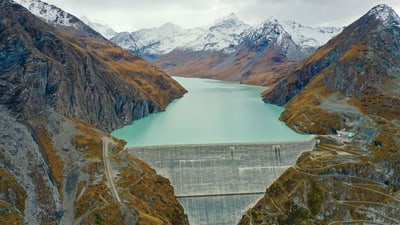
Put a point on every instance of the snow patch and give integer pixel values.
(385, 14)
(49, 13)
(100, 27)
(306, 36)
(225, 34)
(221, 35)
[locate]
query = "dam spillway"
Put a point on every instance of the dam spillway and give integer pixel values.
(217, 183)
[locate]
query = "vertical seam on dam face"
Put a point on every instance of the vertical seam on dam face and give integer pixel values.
(217, 183)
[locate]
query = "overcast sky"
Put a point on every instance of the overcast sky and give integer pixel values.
(136, 14)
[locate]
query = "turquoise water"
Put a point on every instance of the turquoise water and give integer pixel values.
(211, 112)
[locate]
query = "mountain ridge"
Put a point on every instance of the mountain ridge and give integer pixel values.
(312, 37)
(151, 43)
(347, 94)
(219, 48)
(304, 35)
(304, 73)
(56, 16)
(61, 90)
(260, 57)
(227, 50)
(100, 27)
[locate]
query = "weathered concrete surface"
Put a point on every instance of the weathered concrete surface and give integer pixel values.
(217, 183)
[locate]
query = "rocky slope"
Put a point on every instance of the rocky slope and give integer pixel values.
(126, 93)
(352, 40)
(351, 84)
(61, 89)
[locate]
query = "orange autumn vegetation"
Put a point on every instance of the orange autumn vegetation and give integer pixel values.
(51, 154)
(150, 194)
(139, 187)
(13, 199)
(303, 109)
(151, 81)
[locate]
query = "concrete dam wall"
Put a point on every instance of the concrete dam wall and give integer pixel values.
(217, 183)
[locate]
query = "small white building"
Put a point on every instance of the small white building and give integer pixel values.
(345, 134)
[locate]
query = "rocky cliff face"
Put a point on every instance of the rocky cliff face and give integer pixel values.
(61, 88)
(362, 36)
(351, 84)
(80, 76)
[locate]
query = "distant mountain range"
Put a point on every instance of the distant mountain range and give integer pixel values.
(154, 42)
(228, 49)
(224, 34)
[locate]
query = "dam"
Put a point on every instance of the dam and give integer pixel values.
(217, 183)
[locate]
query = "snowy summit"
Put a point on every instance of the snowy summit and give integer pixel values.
(54, 15)
(309, 36)
(48, 13)
(385, 14)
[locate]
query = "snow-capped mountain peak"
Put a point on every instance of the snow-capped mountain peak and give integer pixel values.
(221, 35)
(229, 21)
(169, 29)
(49, 13)
(100, 27)
(386, 14)
(125, 40)
(225, 34)
(231, 16)
(54, 15)
(269, 29)
(271, 32)
(310, 37)
(153, 42)
(271, 20)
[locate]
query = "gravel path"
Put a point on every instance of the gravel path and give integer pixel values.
(108, 169)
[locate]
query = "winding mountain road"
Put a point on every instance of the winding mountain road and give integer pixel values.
(108, 169)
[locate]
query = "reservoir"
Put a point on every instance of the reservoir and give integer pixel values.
(211, 112)
(220, 146)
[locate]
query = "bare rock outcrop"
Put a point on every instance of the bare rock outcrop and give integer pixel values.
(80, 76)
(61, 90)
(347, 92)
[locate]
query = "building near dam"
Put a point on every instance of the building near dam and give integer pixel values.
(217, 183)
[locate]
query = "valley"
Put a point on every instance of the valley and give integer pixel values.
(228, 49)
